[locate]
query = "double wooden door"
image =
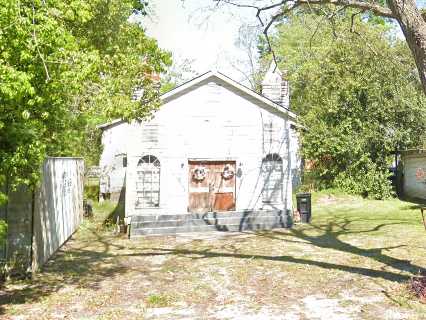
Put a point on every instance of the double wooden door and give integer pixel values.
(211, 186)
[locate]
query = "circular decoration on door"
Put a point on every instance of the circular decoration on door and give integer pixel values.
(199, 173)
(228, 172)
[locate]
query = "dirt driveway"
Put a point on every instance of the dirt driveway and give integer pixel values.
(340, 267)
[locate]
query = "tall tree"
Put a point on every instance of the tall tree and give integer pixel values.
(357, 109)
(64, 66)
(178, 73)
(405, 12)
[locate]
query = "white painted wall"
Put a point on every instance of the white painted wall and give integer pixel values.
(210, 122)
(40, 223)
(296, 158)
(114, 144)
(58, 209)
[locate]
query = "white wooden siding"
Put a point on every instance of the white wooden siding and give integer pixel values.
(210, 122)
(114, 144)
(58, 206)
(295, 158)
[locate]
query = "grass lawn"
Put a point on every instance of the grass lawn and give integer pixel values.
(352, 262)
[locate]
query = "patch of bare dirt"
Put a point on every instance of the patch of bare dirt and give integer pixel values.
(309, 272)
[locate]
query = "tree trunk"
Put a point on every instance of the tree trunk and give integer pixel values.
(414, 28)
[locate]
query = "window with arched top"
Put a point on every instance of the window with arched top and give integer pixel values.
(148, 182)
(273, 175)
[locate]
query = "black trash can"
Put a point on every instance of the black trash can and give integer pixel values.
(304, 206)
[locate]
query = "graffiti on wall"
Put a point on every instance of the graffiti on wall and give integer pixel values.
(66, 183)
(420, 174)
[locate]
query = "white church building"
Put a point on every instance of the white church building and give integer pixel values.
(215, 156)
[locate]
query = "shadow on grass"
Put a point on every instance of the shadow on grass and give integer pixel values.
(87, 264)
(79, 267)
(413, 207)
(94, 261)
(416, 202)
(329, 238)
(119, 210)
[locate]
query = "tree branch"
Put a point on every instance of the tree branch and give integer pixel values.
(37, 46)
(240, 5)
(288, 5)
(367, 6)
(358, 34)
(364, 5)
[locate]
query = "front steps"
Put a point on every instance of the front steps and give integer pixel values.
(213, 221)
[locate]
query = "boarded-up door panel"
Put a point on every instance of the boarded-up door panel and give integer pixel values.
(215, 192)
(199, 202)
(224, 201)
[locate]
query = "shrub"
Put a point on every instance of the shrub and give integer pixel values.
(91, 192)
(3, 232)
(365, 178)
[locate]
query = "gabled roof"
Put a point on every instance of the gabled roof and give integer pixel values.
(215, 76)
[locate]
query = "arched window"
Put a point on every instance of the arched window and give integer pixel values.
(272, 173)
(148, 182)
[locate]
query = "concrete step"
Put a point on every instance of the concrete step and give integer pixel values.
(201, 228)
(217, 221)
(208, 215)
(226, 221)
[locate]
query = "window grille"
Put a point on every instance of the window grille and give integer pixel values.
(148, 182)
(272, 172)
(269, 132)
(272, 135)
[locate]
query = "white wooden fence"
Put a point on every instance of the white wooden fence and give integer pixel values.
(39, 223)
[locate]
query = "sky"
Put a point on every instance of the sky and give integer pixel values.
(206, 38)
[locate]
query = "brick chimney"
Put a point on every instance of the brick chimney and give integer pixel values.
(275, 87)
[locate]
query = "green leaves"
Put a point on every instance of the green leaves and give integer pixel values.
(66, 66)
(356, 93)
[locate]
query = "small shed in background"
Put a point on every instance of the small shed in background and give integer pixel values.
(413, 174)
(40, 222)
